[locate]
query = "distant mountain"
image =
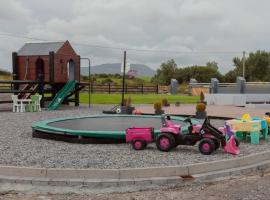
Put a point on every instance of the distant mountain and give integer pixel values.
(4, 72)
(115, 68)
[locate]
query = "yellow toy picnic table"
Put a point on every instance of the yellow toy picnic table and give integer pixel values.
(245, 126)
(255, 127)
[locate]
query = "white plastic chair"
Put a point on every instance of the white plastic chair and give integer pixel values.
(34, 105)
(16, 104)
(38, 103)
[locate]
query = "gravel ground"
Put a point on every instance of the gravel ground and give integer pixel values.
(20, 149)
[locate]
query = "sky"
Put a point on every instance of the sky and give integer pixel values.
(192, 32)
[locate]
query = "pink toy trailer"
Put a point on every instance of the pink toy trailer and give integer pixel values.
(139, 137)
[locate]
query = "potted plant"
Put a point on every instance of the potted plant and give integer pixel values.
(202, 97)
(165, 102)
(200, 111)
(127, 108)
(158, 108)
(177, 103)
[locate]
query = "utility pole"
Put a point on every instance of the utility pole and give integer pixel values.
(89, 81)
(124, 78)
(244, 63)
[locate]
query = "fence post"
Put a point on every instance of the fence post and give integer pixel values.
(192, 83)
(126, 88)
(174, 86)
(41, 85)
(241, 84)
(109, 88)
(77, 95)
(142, 89)
(92, 87)
(157, 89)
(214, 85)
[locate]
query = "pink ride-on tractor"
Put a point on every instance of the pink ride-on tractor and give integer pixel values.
(139, 137)
(209, 138)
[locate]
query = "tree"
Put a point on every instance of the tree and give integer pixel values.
(257, 67)
(165, 73)
(230, 76)
(200, 73)
(212, 64)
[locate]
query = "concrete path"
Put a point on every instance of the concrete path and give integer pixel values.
(245, 187)
(212, 110)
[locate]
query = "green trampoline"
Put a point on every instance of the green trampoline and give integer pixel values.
(98, 128)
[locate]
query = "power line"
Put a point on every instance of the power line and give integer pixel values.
(123, 48)
(21, 37)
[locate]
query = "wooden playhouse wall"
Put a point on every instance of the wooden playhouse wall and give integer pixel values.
(31, 71)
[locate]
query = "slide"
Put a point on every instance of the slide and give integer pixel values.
(61, 95)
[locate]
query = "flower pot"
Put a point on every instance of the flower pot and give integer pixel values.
(166, 105)
(127, 110)
(204, 102)
(159, 112)
(201, 114)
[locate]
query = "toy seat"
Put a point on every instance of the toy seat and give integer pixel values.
(34, 105)
(16, 105)
(254, 136)
(264, 126)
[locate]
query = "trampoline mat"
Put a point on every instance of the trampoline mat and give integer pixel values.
(109, 123)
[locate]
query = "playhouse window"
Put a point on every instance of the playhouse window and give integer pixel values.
(39, 67)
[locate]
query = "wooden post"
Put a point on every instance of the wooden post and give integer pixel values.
(41, 85)
(77, 95)
(142, 89)
(51, 66)
(15, 69)
(92, 88)
(124, 78)
(109, 88)
(126, 88)
(157, 89)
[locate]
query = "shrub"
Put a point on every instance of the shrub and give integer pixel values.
(165, 102)
(128, 102)
(202, 97)
(157, 106)
(125, 102)
(106, 81)
(201, 107)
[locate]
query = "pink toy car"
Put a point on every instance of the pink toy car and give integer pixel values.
(139, 137)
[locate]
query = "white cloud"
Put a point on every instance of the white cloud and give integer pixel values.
(175, 25)
(13, 10)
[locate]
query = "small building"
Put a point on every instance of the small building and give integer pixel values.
(57, 62)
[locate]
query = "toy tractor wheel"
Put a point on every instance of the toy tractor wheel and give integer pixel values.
(206, 146)
(237, 143)
(165, 142)
(138, 144)
(217, 143)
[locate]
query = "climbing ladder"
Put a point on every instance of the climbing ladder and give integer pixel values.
(27, 87)
(61, 95)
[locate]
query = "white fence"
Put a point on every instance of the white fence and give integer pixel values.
(237, 99)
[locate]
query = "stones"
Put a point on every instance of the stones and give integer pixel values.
(20, 149)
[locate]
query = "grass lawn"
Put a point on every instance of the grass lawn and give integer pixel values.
(137, 98)
(5, 77)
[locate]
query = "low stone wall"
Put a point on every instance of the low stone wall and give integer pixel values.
(118, 177)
